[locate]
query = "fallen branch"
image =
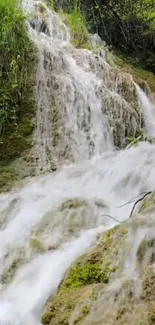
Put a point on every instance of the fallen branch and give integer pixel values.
(142, 198)
(107, 215)
(132, 200)
(131, 213)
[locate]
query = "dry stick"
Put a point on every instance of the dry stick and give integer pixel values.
(145, 194)
(107, 215)
(142, 198)
(132, 200)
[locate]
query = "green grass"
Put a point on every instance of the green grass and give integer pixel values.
(78, 27)
(15, 51)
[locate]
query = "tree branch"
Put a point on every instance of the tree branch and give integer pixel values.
(142, 198)
(132, 200)
(107, 215)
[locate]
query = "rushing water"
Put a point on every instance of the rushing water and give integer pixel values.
(83, 102)
(148, 108)
(53, 219)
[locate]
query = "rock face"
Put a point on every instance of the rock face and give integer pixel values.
(115, 282)
(85, 104)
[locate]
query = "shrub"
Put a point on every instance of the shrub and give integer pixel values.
(15, 51)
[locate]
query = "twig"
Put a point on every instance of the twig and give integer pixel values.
(107, 215)
(132, 200)
(142, 198)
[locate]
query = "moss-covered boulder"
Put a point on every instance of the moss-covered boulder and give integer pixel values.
(115, 282)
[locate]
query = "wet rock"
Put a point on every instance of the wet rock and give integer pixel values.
(128, 294)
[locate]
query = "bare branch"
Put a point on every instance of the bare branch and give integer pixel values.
(107, 215)
(142, 198)
(132, 200)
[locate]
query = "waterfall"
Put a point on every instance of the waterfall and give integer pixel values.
(84, 106)
(148, 109)
(70, 122)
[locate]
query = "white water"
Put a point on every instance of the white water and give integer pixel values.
(70, 121)
(55, 218)
(149, 112)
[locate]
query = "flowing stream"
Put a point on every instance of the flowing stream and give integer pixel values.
(54, 218)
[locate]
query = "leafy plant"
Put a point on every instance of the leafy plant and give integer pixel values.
(15, 49)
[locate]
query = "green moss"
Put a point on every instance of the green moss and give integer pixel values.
(144, 206)
(85, 310)
(61, 308)
(88, 274)
(121, 302)
(47, 317)
(9, 273)
(148, 202)
(72, 204)
(8, 178)
(91, 272)
(140, 76)
(108, 239)
(83, 313)
(98, 265)
(36, 245)
(149, 285)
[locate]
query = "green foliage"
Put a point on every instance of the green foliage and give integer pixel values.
(134, 141)
(127, 25)
(15, 51)
(78, 27)
(130, 142)
(88, 274)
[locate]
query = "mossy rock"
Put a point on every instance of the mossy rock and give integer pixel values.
(123, 296)
(61, 309)
(88, 274)
(85, 278)
(36, 245)
(10, 272)
(142, 77)
(148, 203)
(8, 178)
(14, 145)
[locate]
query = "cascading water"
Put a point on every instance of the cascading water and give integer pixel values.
(70, 122)
(149, 112)
(82, 101)
(55, 218)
